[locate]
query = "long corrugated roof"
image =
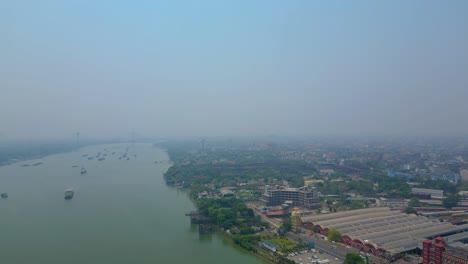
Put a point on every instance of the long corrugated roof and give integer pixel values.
(392, 230)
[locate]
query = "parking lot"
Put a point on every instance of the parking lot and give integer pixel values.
(311, 257)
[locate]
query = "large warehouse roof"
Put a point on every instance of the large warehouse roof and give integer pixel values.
(392, 230)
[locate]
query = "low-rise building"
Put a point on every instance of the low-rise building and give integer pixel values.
(268, 245)
(393, 202)
(226, 192)
(429, 193)
(447, 176)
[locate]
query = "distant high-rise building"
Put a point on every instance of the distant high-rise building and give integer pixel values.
(464, 174)
(77, 138)
(202, 144)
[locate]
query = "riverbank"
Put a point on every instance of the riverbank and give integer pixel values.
(236, 222)
(122, 212)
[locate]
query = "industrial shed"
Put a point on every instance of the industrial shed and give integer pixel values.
(382, 231)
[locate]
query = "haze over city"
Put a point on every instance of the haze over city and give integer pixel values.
(233, 68)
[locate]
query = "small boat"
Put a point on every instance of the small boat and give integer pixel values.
(69, 194)
(75, 166)
(101, 159)
(83, 170)
(4, 195)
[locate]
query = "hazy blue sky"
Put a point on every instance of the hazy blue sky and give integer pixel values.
(207, 68)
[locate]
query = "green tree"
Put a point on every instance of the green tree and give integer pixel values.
(353, 258)
(334, 235)
(451, 200)
(410, 210)
(282, 260)
(357, 205)
(414, 202)
(286, 224)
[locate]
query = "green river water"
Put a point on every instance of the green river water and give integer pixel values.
(122, 212)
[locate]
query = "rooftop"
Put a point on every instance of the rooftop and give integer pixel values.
(457, 251)
(391, 230)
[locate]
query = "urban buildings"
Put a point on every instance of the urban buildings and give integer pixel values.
(384, 232)
(303, 196)
(437, 252)
(393, 202)
(428, 193)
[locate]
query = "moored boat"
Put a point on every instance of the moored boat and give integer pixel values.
(69, 194)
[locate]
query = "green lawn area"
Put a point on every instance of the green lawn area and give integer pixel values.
(285, 245)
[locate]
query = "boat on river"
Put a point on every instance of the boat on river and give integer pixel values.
(69, 194)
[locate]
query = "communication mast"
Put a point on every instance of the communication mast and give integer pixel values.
(77, 139)
(202, 144)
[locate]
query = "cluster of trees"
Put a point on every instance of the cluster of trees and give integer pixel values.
(353, 258)
(222, 174)
(410, 210)
(447, 186)
(225, 166)
(246, 241)
(394, 187)
(451, 200)
(229, 213)
(286, 226)
(284, 260)
(334, 235)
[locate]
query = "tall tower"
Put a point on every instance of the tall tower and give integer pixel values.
(77, 139)
(202, 143)
(296, 222)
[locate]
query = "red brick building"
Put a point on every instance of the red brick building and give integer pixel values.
(437, 252)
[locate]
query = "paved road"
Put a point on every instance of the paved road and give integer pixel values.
(324, 245)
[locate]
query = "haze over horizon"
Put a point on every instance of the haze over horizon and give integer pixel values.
(233, 68)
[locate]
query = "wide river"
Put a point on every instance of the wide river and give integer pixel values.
(122, 212)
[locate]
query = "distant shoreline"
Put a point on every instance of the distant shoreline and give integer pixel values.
(23, 151)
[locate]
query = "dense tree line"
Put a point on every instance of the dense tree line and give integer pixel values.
(229, 213)
(246, 241)
(353, 258)
(223, 174)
